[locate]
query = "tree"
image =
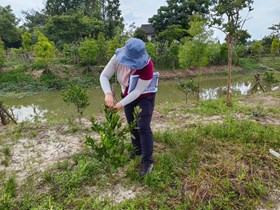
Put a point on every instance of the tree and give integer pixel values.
(9, 31)
(26, 40)
(112, 18)
(90, 8)
(194, 52)
(266, 42)
(231, 27)
(71, 28)
(78, 96)
(173, 32)
(257, 49)
(178, 12)
(140, 34)
(61, 7)
(112, 46)
(102, 46)
(275, 29)
(34, 19)
(88, 52)
(275, 47)
(2, 54)
(44, 50)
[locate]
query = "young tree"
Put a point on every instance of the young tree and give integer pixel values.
(102, 46)
(26, 42)
(112, 46)
(2, 53)
(257, 49)
(194, 52)
(44, 50)
(231, 9)
(275, 47)
(78, 96)
(88, 52)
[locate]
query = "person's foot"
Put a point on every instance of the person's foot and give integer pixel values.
(146, 168)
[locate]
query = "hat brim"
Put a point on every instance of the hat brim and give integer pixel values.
(132, 63)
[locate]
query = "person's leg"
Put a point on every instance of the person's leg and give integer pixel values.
(129, 110)
(145, 131)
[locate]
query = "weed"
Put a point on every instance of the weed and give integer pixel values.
(7, 156)
(8, 193)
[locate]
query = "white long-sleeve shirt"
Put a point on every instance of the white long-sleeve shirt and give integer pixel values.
(123, 74)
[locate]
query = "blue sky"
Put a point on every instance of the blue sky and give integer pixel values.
(265, 13)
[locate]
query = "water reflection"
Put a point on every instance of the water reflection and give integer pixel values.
(28, 113)
(242, 88)
(51, 104)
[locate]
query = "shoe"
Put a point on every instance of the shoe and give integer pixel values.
(146, 168)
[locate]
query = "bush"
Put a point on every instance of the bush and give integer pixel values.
(88, 52)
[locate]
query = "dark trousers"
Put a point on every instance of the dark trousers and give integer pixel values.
(142, 139)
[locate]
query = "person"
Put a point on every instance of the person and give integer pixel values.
(133, 59)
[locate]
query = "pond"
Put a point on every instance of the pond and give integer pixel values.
(50, 104)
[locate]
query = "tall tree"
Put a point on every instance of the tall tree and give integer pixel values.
(275, 29)
(71, 28)
(89, 8)
(111, 14)
(231, 9)
(34, 19)
(9, 31)
(178, 12)
(61, 7)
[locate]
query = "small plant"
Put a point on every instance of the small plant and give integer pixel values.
(77, 96)
(189, 87)
(7, 193)
(112, 145)
(7, 156)
(269, 79)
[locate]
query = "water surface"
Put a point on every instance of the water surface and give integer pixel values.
(51, 104)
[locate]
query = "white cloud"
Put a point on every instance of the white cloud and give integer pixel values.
(265, 13)
(140, 11)
(23, 5)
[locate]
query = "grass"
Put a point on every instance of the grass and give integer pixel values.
(19, 79)
(199, 163)
(212, 166)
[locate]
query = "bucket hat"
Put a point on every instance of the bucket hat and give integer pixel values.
(133, 55)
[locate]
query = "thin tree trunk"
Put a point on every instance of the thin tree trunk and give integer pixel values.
(229, 43)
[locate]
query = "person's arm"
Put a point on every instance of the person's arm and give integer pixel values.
(104, 78)
(139, 89)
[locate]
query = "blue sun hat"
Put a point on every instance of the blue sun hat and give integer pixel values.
(134, 54)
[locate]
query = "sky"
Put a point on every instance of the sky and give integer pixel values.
(265, 13)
